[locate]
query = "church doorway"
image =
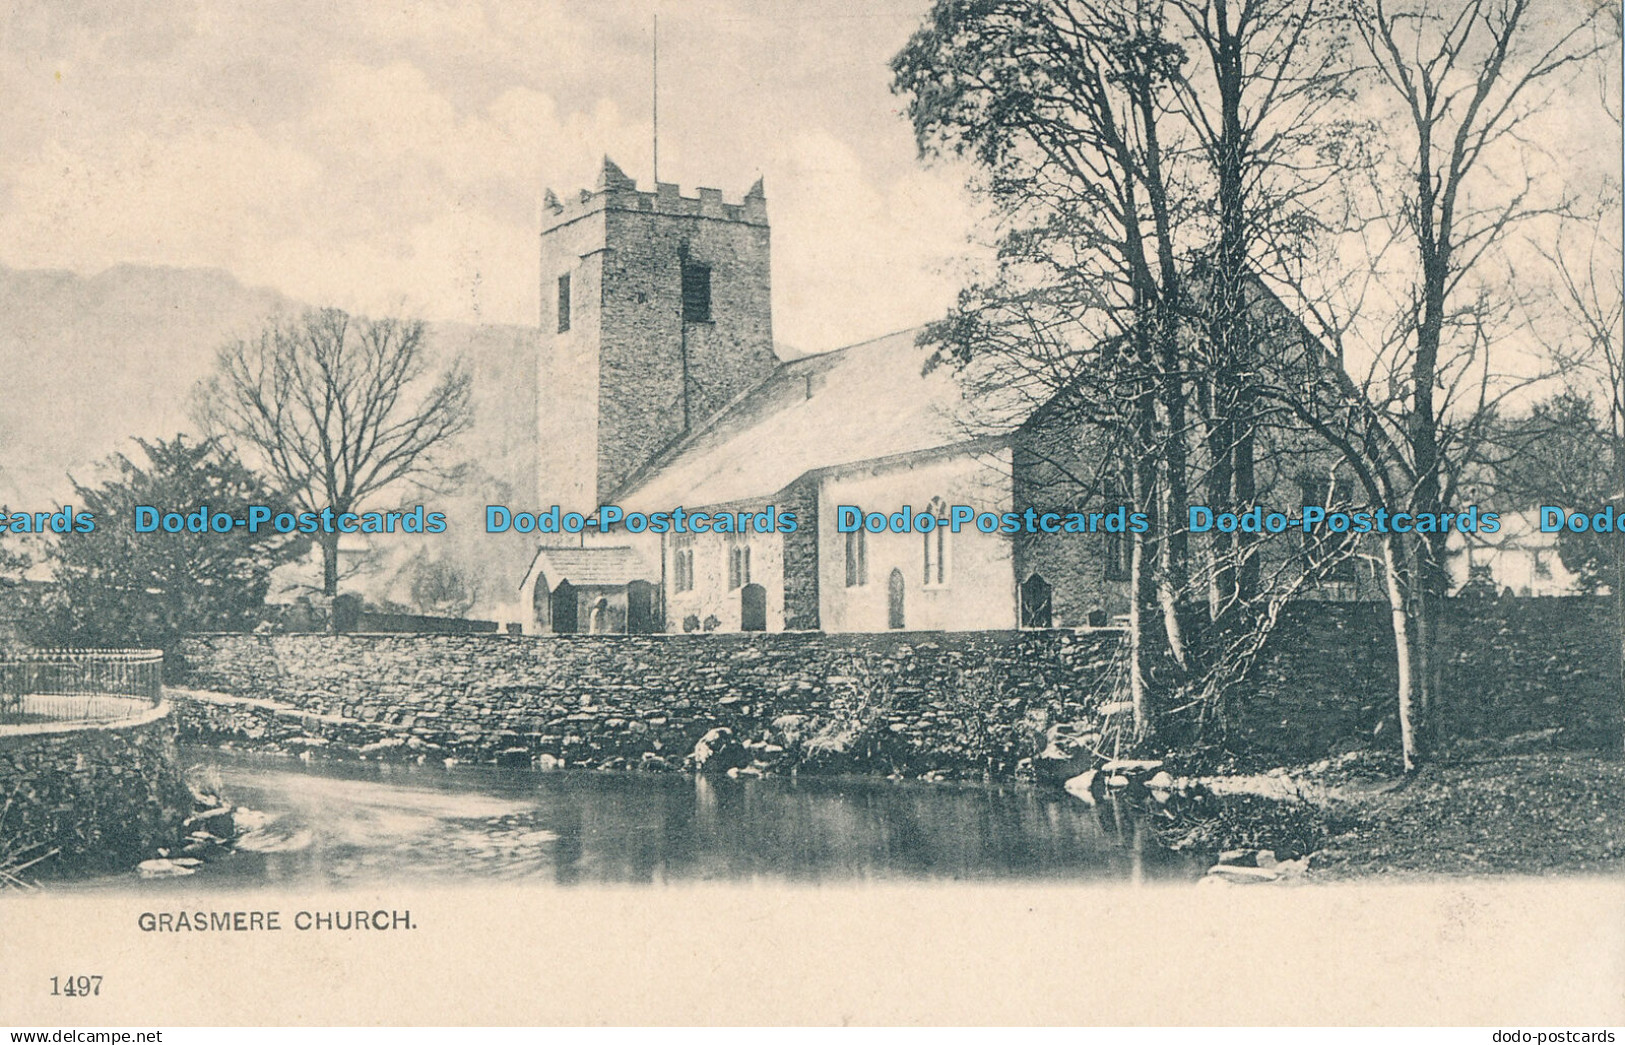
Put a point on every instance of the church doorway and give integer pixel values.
(1036, 599)
(541, 605)
(894, 600)
(564, 609)
(753, 608)
(640, 608)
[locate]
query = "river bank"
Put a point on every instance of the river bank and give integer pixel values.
(1520, 807)
(347, 823)
(1474, 811)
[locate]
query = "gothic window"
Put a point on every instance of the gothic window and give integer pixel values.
(1328, 553)
(857, 558)
(682, 562)
(564, 302)
(696, 292)
(738, 564)
(936, 546)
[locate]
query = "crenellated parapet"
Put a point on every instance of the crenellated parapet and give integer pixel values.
(617, 191)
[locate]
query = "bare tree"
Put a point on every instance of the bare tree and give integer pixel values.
(1467, 77)
(338, 409)
(1142, 159)
(1060, 104)
(1592, 300)
(1260, 96)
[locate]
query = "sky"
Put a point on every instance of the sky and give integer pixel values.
(391, 157)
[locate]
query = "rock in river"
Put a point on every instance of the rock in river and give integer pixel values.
(217, 822)
(1083, 786)
(718, 751)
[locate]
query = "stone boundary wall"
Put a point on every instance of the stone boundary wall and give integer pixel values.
(959, 704)
(105, 795)
(917, 703)
(1512, 667)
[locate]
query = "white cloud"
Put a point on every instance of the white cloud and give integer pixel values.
(855, 256)
(368, 154)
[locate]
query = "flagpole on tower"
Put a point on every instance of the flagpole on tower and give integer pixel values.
(655, 96)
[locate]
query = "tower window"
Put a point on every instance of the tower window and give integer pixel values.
(696, 293)
(564, 302)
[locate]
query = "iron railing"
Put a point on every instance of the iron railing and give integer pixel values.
(79, 685)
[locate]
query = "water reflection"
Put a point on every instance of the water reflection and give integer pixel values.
(350, 824)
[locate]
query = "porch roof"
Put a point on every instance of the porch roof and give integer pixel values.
(601, 567)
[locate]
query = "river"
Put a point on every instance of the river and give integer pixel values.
(343, 824)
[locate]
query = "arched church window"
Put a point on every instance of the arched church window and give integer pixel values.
(682, 562)
(857, 558)
(738, 562)
(936, 546)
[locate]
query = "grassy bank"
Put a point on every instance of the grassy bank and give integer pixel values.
(1468, 813)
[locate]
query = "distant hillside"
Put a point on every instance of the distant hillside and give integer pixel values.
(88, 362)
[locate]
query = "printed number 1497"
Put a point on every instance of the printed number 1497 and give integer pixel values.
(76, 986)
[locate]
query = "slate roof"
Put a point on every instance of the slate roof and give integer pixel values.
(584, 566)
(861, 403)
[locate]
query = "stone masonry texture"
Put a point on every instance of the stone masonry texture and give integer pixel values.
(103, 796)
(957, 703)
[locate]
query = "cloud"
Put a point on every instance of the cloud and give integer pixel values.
(369, 154)
(856, 255)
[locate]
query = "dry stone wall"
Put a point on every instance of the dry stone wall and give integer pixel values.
(959, 704)
(956, 704)
(104, 796)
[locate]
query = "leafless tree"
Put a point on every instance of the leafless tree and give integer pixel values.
(1467, 77)
(1591, 276)
(1061, 106)
(338, 409)
(1260, 95)
(1142, 158)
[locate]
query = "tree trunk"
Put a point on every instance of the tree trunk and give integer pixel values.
(330, 564)
(1139, 604)
(1617, 550)
(1142, 581)
(1402, 651)
(1220, 441)
(1619, 621)
(1173, 539)
(1247, 575)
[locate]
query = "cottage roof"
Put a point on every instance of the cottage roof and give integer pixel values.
(612, 567)
(862, 403)
(1519, 529)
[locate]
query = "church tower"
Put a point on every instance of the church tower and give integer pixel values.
(655, 315)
